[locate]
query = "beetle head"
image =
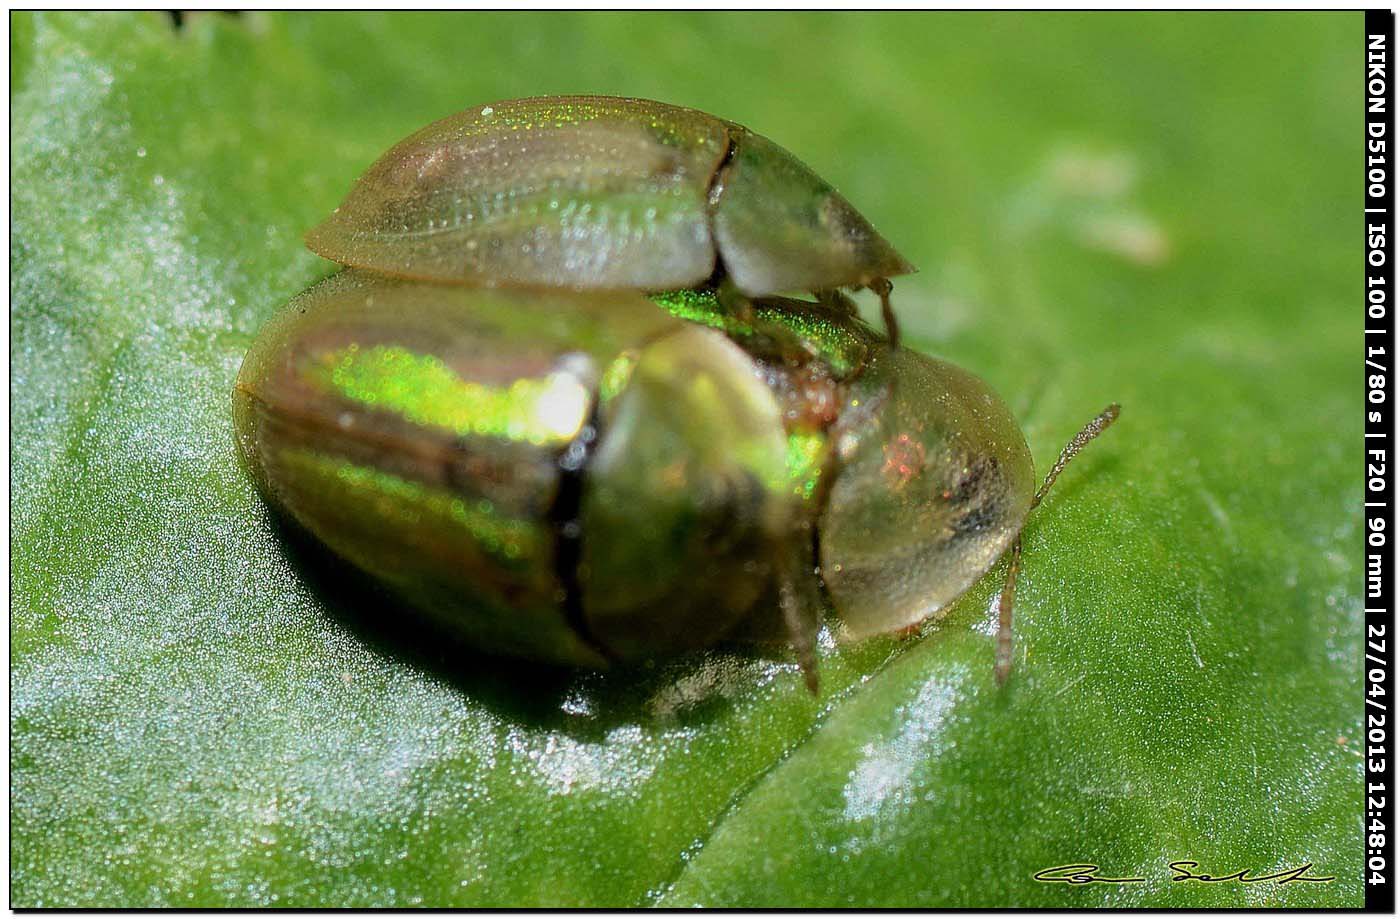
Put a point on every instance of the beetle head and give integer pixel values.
(934, 483)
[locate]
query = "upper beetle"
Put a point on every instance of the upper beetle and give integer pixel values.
(601, 192)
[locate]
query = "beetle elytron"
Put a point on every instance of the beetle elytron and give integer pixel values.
(562, 467)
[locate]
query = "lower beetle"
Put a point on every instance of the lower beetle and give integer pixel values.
(586, 478)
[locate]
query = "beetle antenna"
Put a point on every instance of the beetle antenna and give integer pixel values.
(1008, 590)
(1078, 442)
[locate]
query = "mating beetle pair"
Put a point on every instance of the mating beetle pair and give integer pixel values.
(559, 402)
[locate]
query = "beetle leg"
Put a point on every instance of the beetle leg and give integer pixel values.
(1004, 604)
(800, 603)
(1091, 430)
(836, 300)
(734, 302)
(882, 288)
(742, 311)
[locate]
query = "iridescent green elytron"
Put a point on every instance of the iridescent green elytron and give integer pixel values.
(406, 504)
(422, 389)
(557, 466)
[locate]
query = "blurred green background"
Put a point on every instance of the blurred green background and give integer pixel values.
(1159, 209)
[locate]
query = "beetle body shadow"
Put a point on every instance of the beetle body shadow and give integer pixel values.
(586, 704)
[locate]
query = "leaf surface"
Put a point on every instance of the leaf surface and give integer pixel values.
(1146, 209)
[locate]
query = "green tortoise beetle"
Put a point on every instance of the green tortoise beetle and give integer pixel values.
(596, 192)
(586, 478)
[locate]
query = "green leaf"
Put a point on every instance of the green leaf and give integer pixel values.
(1154, 209)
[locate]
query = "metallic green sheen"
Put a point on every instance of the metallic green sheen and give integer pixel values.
(354, 410)
(836, 338)
(839, 340)
(701, 307)
(422, 389)
(408, 504)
